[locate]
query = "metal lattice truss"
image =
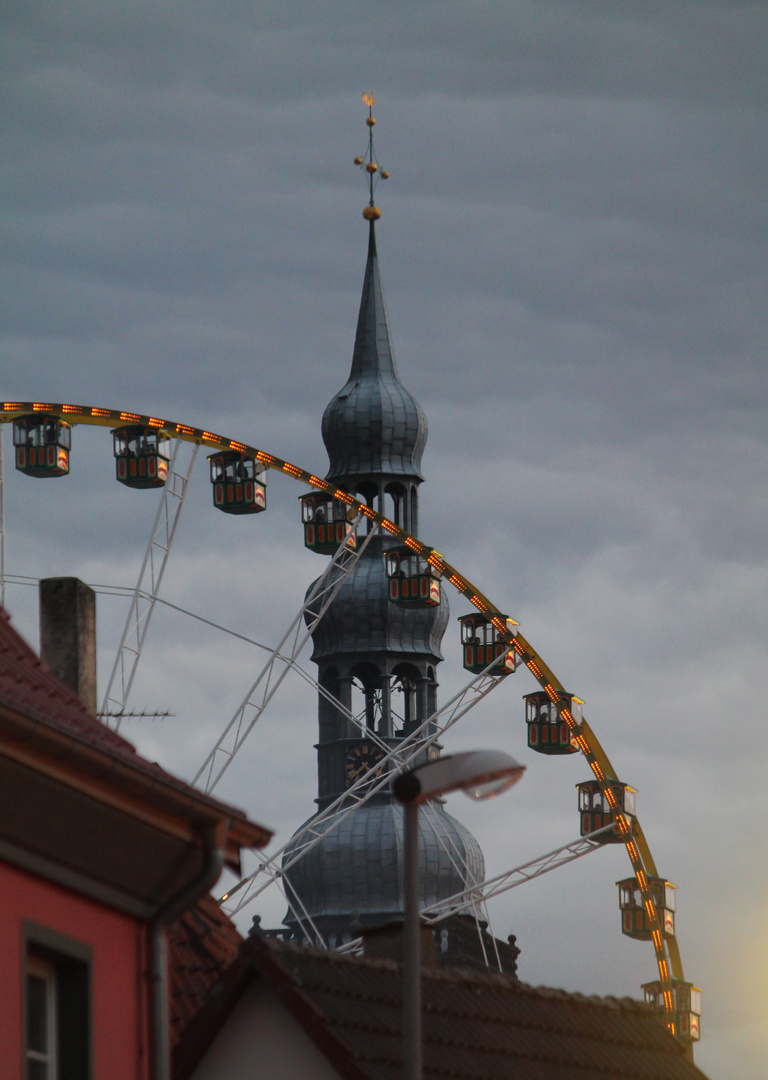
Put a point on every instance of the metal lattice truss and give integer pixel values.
(375, 780)
(473, 900)
(502, 883)
(478, 687)
(280, 662)
(143, 601)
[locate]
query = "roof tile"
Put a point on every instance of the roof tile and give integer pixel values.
(28, 686)
(477, 1026)
(202, 944)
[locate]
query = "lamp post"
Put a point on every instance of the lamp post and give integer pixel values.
(480, 774)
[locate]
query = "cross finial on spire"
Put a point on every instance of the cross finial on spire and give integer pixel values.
(367, 161)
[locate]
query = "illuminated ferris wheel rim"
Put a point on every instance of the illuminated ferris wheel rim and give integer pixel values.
(583, 737)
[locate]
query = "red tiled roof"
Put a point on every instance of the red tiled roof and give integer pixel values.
(28, 686)
(29, 689)
(477, 1026)
(202, 944)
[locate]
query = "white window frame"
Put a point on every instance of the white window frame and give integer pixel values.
(39, 968)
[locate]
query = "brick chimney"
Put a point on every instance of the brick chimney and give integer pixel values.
(68, 635)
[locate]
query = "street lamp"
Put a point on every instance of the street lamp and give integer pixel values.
(480, 774)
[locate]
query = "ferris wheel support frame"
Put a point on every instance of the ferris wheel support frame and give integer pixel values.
(324, 589)
(667, 953)
(143, 600)
(359, 721)
(510, 879)
(368, 785)
(299, 910)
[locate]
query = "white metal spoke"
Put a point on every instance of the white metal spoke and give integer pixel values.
(358, 720)
(269, 679)
(368, 785)
(452, 905)
(303, 918)
(448, 845)
(143, 601)
(298, 909)
(350, 948)
(480, 894)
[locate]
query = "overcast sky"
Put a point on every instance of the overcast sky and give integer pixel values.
(573, 251)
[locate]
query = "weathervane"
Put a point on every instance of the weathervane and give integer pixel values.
(368, 162)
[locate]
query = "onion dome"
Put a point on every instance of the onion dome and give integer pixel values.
(373, 425)
(362, 621)
(356, 870)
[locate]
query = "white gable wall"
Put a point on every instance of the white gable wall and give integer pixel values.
(262, 1041)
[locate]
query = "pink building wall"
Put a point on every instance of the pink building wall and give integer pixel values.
(119, 988)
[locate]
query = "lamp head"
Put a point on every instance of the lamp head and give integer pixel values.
(480, 774)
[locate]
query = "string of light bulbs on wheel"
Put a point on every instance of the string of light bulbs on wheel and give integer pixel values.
(42, 442)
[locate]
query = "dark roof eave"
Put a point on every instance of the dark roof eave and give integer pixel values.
(141, 781)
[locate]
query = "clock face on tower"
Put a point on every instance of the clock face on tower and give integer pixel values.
(359, 759)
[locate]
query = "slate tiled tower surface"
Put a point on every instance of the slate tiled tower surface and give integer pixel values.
(375, 655)
(373, 426)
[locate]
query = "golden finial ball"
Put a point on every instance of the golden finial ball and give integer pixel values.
(371, 167)
(385, 175)
(370, 120)
(371, 213)
(358, 161)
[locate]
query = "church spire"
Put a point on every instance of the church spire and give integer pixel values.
(375, 658)
(373, 427)
(373, 353)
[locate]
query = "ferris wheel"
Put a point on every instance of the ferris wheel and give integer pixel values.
(146, 451)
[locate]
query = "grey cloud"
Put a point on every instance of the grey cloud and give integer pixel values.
(573, 255)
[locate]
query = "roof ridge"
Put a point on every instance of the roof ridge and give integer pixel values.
(454, 975)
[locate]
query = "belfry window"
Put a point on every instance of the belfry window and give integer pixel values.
(395, 505)
(368, 493)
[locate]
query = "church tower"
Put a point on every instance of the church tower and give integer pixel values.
(375, 659)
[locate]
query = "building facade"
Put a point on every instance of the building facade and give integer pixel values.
(100, 852)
